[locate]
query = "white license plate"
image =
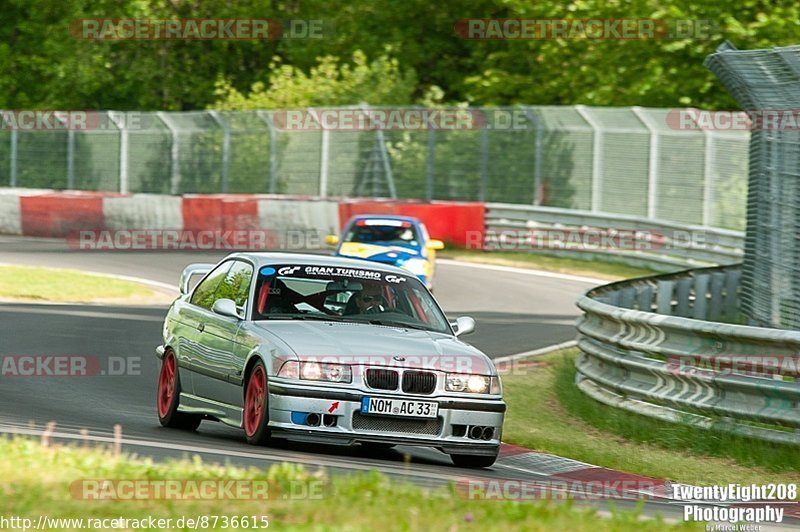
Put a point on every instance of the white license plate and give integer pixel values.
(381, 406)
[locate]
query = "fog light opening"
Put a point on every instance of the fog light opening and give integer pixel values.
(488, 433)
(312, 420)
(329, 420)
(475, 432)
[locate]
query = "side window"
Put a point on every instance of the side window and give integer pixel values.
(236, 284)
(204, 293)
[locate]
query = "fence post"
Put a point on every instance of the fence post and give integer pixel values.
(324, 154)
(273, 153)
(70, 159)
(384, 155)
(226, 148)
(121, 124)
(429, 163)
(484, 163)
(652, 162)
(708, 176)
(597, 158)
(13, 158)
(538, 154)
(175, 178)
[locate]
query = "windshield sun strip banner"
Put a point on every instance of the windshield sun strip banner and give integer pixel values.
(326, 272)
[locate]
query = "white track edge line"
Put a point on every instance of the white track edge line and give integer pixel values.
(524, 271)
(535, 352)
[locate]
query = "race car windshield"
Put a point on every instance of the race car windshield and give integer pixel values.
(335, 293)
(383, 232)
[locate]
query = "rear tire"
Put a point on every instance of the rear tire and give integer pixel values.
(473, 461)
(168, 397)
(255, 416)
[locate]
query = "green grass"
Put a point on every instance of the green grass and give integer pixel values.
(548, 413)
(37, 480)
(611, 271)
(59, 285)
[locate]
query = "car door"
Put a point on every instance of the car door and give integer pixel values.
(191, 321)
(216, 365)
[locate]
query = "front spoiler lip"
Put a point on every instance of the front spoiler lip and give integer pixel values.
(331, 395)
(327, 438)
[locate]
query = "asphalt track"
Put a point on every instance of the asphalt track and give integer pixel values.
(515, 311)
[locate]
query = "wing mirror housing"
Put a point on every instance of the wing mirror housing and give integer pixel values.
(226, 307)
(463, 325)
(189, 272)
(332, 240)
(435, 244)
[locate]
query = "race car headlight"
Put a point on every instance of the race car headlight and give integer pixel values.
(461, 382)
(415, 266)
(316, 371)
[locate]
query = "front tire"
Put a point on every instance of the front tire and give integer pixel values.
(473, 461)
(255, 417)
(168, 396)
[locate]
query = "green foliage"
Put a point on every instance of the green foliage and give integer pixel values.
(329, 82)
(408, 49)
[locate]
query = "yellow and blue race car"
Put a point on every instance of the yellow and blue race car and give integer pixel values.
(397, 240)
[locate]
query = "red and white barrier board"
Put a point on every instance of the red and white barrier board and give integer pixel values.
(300, 221)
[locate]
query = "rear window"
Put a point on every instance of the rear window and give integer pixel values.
(393, 232)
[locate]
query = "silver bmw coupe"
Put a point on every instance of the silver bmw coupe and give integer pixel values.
(326, 350)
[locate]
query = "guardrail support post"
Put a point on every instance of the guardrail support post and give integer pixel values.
(121, 123)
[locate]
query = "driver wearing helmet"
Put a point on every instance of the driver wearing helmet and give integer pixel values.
(368, 300)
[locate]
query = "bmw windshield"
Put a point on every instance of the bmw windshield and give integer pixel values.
(334, 293)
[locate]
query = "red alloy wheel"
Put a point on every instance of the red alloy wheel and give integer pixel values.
(166, 385)
(255, 401)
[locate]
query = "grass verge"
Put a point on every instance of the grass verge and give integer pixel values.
(38, 480)
(29, 283)
(548, 413)
(610, 271)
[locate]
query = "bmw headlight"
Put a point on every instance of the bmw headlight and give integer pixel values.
(316, 371)
(463, 382)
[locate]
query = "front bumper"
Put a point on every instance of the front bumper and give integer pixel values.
(449, 432)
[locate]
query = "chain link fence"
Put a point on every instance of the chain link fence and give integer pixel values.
(769, 80)
(636, 161)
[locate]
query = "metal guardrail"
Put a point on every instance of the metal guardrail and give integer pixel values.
(658, 244)
(646, 347)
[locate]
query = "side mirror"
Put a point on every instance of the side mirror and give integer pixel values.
(435, 244)
(226, 307)
(332, 240)
(189, 272)
(464, 325)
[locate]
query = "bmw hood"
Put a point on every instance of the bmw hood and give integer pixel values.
(375, 345)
